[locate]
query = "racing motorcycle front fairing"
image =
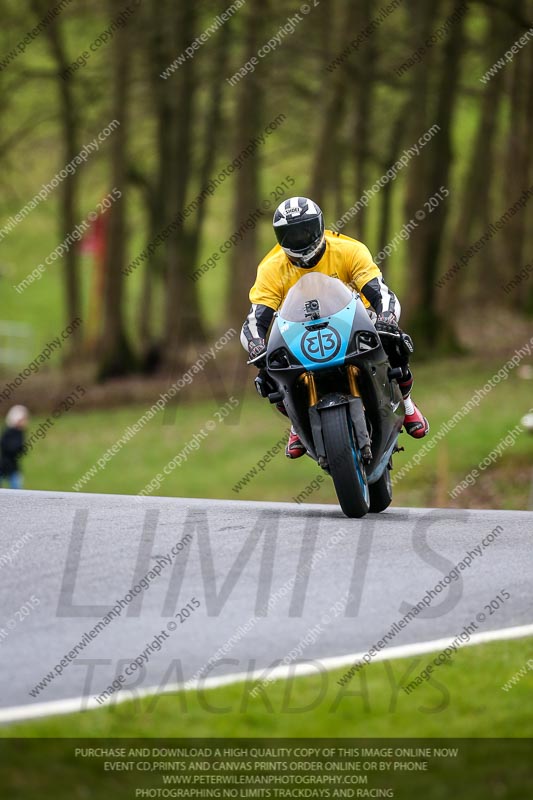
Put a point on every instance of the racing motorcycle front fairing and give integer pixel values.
(323, 350)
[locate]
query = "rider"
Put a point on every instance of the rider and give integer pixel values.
(304, 246)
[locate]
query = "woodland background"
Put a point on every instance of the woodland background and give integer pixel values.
(347, 88)
(349, 116)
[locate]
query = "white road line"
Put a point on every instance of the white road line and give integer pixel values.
(76, 704)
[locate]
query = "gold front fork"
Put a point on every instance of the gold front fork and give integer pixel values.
(353, 374)
(309, 380)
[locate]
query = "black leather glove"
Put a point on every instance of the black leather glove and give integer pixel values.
(256, 348)
(406, 344)
(388, 324)
(398, 345)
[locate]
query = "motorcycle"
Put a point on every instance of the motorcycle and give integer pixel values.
(326, 363)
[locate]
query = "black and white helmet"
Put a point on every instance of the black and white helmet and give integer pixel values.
(299, 228)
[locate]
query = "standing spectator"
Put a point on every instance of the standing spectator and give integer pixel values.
(12, 446)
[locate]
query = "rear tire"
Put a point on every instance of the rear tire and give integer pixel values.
(381, 493)
(344, 462)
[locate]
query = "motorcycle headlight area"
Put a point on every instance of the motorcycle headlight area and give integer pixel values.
(364, 342)
(279, 359)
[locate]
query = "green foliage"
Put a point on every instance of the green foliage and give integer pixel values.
(299, 85)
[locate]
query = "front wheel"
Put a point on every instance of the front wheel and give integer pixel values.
(345, 462)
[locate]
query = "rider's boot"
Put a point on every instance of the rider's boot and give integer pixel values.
(295, 448)
(415, 423)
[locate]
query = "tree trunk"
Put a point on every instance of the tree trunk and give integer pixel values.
(422, 19)
(363, 119)
(333, 102)
(517, 159)
(527, 295)
(211, 137)
(387, 192)
(182, 320)
(116, 357)
(432, 329)
(160, 52)
(249, 122)
(69, 186)
(475, 200)
(145, 335)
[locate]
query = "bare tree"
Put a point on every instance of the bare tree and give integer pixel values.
(422, 17)
(333, 103)
(115, 354)
(474, 206)
(435, 329)
(517, 155)
(248, 125)
(183, 322)
(363, 127)
(70, 124)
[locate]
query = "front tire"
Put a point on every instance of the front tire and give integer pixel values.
(344, 461)
(381, 493)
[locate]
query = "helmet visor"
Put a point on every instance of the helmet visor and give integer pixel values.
(300, 237)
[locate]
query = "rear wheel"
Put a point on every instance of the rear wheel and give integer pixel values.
(381, 493)
(345, 462)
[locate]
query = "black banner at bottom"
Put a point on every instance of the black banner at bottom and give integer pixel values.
(267, 768)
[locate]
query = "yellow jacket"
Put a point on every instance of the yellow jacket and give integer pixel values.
(345, 258)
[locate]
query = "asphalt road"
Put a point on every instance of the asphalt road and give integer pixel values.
(65, 559)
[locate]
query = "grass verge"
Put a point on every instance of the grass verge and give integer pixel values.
(463, 699)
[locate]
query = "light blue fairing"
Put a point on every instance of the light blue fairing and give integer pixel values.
(335, 338)
(319, 349)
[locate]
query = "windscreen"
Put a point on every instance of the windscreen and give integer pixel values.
(315, 296)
